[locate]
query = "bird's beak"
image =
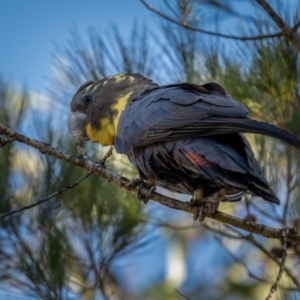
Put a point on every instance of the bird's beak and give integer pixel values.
(76, 125)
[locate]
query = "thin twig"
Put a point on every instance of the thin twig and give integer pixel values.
(123, 182)
(106, 156)
(282, 265)
(69, 187)
(196, 29)
(185, 297)
(271, 214)
(296, 26)
(223, 233)
(288, 184)
(289, 33)
(237, 260)
(295, 184)
(4, 141)
(97, 272)
(167, 225)
(250, 238)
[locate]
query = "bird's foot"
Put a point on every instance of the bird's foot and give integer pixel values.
(133, 183)
(142, 184)
(205, 206)
(81, 150)
(197, 201)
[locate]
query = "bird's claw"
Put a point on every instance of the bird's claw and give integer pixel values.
(141, 184)
(198, 201)
(199, 214)
(81, 150)
(206, 206)
(147, 197)
(203, 210)
(133, 183)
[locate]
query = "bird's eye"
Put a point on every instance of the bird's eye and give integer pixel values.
(87, 99)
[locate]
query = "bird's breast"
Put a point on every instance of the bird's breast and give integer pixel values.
(104, 135)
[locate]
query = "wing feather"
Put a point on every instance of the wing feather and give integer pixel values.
(183, 111)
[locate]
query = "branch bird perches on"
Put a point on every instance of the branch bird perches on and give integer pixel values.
(122, 182)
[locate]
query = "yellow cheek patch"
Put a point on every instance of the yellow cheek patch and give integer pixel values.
(104, 135)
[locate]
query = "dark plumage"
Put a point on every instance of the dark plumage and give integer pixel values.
(184, 136)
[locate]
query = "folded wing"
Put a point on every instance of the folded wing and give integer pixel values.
(181, 111)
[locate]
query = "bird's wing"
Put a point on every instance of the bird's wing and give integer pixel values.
(182, 111)
(225, 165)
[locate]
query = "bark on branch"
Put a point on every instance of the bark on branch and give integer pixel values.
(123, 182)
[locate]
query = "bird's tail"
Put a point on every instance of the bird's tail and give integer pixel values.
(262, 189)
(252, 126)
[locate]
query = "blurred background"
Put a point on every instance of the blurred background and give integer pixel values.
(96, 241)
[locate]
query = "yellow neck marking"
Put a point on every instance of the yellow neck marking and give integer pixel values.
(105, 135)
(119, 107)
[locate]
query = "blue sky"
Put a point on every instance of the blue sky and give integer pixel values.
(30, 28)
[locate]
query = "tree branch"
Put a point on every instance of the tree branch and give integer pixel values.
(71, 186)
(251, 239)
(281, 267)
(196, 29)
(4, 142)
(289, 33)
(123, 182)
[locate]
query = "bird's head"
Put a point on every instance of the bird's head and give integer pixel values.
(96, 107)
